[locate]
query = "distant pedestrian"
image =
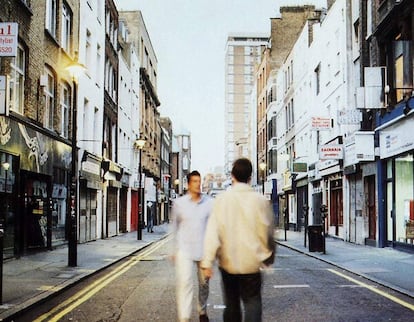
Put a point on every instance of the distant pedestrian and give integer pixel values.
(240, 234)
(189, 220)
(150, 217)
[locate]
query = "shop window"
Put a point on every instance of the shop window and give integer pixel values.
(404, 196)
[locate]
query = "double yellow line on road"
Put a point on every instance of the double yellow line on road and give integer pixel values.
(83, 295)
(375, 290)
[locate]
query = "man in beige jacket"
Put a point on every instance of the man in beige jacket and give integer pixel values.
(240, 234)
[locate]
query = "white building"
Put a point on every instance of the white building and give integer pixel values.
(315, 88)
(90, 118)
(128, 125)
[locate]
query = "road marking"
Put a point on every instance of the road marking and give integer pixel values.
(350, 286)
(375, 290)
(291, 286)
(56, 313)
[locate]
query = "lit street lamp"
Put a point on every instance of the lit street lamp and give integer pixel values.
(176, 184)
(75, 69)
(139, 143)
(262, 167)
(6, 167)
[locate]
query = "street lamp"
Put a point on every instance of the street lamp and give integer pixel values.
(262, 167)
(139, 143)
(6, 167)
(75, 69)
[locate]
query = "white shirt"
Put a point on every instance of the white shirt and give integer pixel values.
(189, 221)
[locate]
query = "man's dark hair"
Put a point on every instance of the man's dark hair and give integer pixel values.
(242, 170)
(194, 173)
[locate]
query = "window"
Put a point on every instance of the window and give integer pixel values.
(66, 27)
(65, 99)
(51, 16)
(403, 81)
(17, 76)
(49, 99)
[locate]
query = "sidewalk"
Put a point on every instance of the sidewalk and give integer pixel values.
(33, 278)
(386, 266)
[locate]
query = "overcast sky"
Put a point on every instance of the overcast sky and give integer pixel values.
(189, 38)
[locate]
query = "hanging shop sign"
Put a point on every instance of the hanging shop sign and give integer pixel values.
(331, 152)
(8, 39)
(321, 123)
(359, 147)
(4, 105)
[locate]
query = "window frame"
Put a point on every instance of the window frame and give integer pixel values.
(66, 28)
(50, 98)
(51, 17)
(65, 108)
(20, 71)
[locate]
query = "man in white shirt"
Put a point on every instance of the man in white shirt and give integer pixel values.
(240, 234)
(190, 214)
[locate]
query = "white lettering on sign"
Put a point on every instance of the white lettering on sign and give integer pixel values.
(8, 39)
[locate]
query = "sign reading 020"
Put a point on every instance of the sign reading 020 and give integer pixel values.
(8, 39)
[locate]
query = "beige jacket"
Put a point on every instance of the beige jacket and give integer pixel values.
(239, 231)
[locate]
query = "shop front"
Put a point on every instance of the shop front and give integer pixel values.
(397, 168)
(34, 187)
(90, 190)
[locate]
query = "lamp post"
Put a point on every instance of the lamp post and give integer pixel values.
(262, 167)
(140, 145)
(6, 167)
(75, 69)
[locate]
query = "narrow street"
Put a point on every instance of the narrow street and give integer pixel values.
(296, 288)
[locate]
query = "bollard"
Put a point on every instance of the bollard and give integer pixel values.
(324, 213)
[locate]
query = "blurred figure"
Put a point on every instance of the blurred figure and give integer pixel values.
(189, 220)
(150, 217)
(240, 234)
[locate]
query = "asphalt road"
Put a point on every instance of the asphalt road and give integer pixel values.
(296, 288)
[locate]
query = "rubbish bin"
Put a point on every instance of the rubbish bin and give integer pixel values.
(315, 238)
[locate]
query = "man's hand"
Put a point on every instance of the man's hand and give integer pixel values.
(208, 272)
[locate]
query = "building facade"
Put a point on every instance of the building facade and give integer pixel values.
(36, 124)
(243, 53)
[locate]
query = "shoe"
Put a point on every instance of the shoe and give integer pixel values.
(152, 231)
(204, 318)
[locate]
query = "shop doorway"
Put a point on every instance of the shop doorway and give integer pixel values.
(336, 217)
(372, 213)
(36, 224)
(87, 218)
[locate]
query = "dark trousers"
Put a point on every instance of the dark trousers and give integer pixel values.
(244, 287)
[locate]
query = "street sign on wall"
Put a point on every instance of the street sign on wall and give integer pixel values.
(8, 39)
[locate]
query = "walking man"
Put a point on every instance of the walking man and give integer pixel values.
(240, 234)
(189, 220)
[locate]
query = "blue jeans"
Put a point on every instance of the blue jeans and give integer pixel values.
(244, 287)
